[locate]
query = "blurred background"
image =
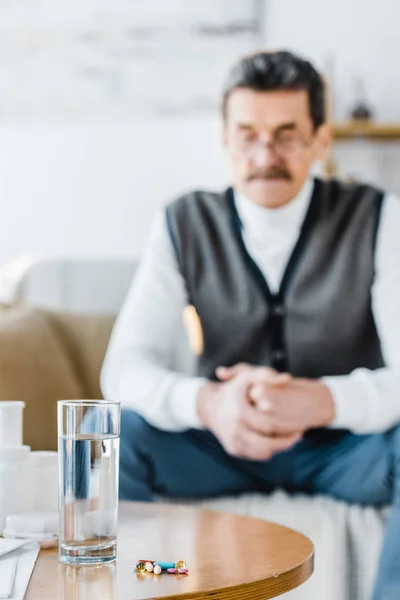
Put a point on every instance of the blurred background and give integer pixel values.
(109, 108)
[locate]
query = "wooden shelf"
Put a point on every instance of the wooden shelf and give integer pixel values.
(366, 130)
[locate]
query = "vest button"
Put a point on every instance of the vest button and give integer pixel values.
(278, 310)
(278, 355)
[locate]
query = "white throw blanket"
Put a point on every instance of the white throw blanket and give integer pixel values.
(347, 539)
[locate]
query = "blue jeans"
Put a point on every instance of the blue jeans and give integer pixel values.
(362, 469)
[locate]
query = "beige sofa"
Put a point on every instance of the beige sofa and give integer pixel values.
(47, 356)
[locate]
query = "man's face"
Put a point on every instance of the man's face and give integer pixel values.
(271, 143)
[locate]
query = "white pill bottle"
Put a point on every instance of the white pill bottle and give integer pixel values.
(15, 469)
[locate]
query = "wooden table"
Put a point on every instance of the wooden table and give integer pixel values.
(229, 556)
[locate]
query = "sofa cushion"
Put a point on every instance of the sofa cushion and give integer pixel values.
(35, 368)
(85, 339)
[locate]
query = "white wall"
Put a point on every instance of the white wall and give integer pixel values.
(91, 189)
(363, 35)
(72, 189)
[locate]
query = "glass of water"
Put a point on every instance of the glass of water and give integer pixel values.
(88, 448)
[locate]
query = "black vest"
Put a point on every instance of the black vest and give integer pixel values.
(320, 322)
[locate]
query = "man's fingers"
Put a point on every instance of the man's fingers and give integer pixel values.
(284, 442)
(281, 379)
(266, 424)
(260, 374)
(252, 446)
(260, 393)
(227, 373)
(269, 377)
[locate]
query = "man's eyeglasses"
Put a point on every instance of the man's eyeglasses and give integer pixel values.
(285, 144)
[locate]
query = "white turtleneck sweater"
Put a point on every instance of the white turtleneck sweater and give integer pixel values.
(138, 366)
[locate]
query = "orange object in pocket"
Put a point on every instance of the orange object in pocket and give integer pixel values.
(194, 330)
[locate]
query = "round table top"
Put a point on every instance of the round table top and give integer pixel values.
(231, 556)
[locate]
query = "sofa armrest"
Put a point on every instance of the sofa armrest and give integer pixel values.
(35, 368)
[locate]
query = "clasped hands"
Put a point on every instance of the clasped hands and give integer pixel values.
(256, 412)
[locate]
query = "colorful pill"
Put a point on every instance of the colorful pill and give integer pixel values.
(146, 560)
(157, 570)
(141, 566)
(180, 564)
(183, 571)
(172, 570)
(149, 567)
(164, 565)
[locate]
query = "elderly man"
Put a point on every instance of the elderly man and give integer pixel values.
(295, 284)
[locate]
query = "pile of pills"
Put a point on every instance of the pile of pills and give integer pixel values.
(157, 567)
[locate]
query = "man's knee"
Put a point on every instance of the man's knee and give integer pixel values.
(132, 424)
(395, 441)
(134, 480)
(132, 420)
(395, 455)
(394, 467)
(135, 431)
